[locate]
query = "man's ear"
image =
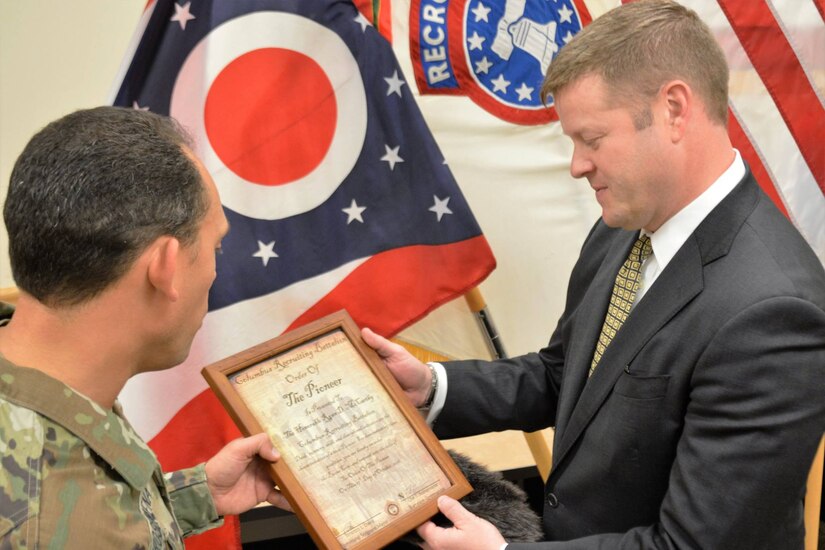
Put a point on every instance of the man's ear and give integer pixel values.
(163, 264)
(679, 100)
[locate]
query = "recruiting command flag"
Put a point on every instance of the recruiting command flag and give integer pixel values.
(336, 193)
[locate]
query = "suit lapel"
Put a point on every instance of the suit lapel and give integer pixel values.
(593, 306)
(677, 285)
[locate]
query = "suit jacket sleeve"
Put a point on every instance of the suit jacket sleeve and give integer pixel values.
(511, 394)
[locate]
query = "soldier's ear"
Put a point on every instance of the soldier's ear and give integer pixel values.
(162, 266)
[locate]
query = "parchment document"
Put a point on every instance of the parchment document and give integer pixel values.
(339, 432)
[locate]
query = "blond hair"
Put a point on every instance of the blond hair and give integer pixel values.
(638, 47)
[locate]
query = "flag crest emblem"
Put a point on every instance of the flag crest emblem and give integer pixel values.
(495, 52)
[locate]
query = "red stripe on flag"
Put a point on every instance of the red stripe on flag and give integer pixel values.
(820, 5)
(786, 81)
(385, 19)
(584, 13)
(386, 278)
(192, 436)
(365, 7)
(743, 143)
(383, 22)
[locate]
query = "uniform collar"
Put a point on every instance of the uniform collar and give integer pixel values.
(106, 432)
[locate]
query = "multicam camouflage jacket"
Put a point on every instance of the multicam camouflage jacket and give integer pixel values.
(75, 475)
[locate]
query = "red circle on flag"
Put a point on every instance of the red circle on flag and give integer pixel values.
(270, 115)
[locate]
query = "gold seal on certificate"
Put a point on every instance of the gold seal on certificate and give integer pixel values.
(359, 465)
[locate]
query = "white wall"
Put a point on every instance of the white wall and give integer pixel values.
(55, 57)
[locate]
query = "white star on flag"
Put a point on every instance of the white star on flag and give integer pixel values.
(483, 66)
(568, 37)
(361, 20)
(137, 107)
(565, 15)
(354, 212)
(440, 207)
(481, 12)
(392, 156)
(500, 84)
(265, 252)
(525, 92)
(475, 41)
(394, 84)
(182, 14)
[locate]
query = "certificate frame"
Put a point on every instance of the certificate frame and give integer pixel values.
(264, 366)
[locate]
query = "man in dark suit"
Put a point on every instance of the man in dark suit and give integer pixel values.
(686, 376)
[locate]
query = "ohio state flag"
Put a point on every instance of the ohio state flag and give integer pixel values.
(335, 191)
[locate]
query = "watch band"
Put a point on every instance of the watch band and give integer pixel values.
(428, 402)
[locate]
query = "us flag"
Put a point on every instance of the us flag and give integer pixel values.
(776, 52)
(335, 191)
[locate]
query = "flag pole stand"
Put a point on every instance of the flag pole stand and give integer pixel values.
(540, 449)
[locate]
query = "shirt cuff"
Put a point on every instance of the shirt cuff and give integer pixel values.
(440, 393)
(192, 502)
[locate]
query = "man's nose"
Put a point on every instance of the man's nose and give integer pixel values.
(580, 164)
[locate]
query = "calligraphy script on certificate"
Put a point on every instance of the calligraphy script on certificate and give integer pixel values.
(358, 464)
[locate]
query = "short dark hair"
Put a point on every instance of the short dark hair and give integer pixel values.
(90, 192)
(638, 47)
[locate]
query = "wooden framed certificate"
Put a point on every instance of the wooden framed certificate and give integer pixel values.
(359, 465)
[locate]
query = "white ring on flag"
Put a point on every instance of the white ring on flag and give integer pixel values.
(274, 30)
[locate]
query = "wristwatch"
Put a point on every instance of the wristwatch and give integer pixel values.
(428, 402)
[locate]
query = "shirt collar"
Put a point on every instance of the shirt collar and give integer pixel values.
(669, 238)
(106, 432)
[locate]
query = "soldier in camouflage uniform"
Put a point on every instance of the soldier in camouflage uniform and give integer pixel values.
(113, 226)
(71, 468)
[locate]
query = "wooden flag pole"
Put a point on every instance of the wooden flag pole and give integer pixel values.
(485, 322)
(542, 453)
(813, 498)
(9, 295)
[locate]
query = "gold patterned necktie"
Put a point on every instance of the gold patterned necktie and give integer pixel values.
(624, 293)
